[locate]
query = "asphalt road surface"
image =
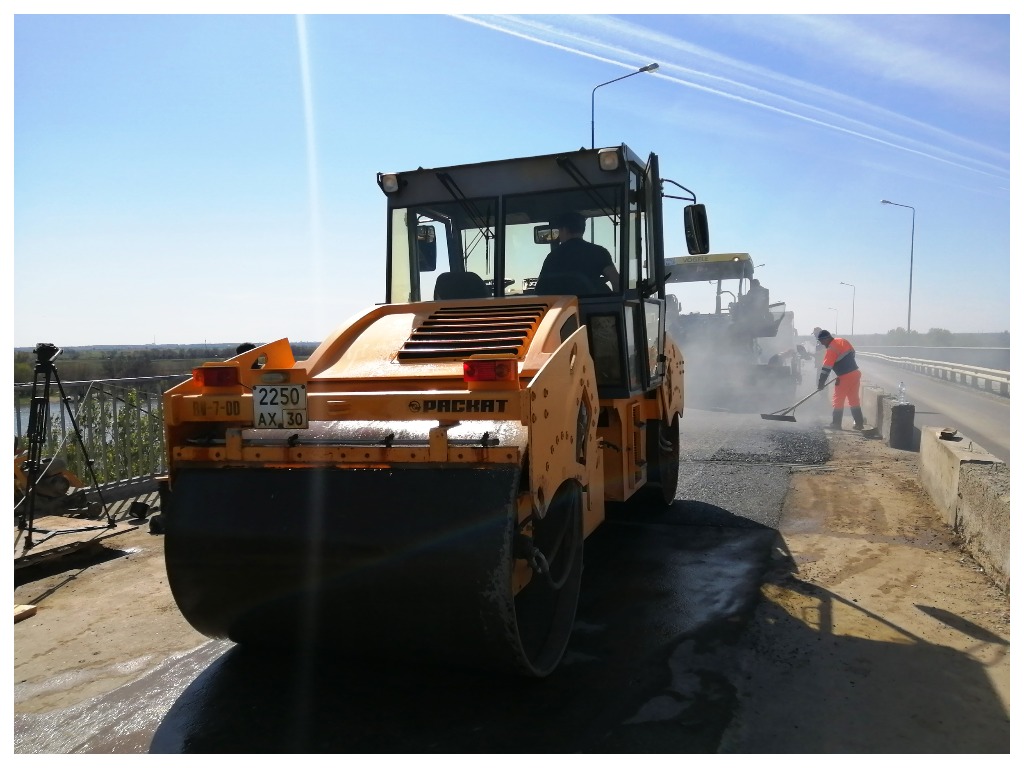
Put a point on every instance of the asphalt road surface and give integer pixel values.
(674, 649)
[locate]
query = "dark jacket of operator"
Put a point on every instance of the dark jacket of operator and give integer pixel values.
(576, 266)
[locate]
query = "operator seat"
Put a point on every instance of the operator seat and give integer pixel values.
(460, 285)
(569, 284)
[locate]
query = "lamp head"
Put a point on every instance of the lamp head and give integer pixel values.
(649, 67)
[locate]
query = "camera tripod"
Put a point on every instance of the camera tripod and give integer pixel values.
(45, 375)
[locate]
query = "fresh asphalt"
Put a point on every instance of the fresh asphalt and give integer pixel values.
(648, 669)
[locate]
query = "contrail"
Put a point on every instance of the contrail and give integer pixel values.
(829, 120)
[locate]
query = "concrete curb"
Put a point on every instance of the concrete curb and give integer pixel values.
(969, 486)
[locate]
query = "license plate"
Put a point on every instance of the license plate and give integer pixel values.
(279, 406)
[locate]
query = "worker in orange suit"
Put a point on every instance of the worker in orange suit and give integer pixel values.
(840, 358)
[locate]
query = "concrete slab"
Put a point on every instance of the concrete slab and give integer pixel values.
(56, 536)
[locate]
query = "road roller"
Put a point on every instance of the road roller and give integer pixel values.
(421, 486)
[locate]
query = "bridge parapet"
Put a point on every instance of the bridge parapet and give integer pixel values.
(988, 379)
(120, 422)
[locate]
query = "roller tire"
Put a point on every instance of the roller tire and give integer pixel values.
(546, 607)
(662, 463)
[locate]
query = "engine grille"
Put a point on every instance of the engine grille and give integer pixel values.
(458, 332)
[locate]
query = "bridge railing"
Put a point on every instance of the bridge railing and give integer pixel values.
(988, 379)
(119, 442)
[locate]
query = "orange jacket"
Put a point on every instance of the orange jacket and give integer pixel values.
(839, 357)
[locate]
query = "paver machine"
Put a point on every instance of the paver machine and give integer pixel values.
(743, 356)
(422, 484)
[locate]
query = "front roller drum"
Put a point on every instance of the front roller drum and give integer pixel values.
(402, 563)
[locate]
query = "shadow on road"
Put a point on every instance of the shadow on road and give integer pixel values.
(869, 687)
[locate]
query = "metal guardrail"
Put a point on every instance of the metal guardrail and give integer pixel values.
(120, 423)
(988, 379)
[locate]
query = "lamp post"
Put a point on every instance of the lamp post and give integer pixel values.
(648, 68)
(836, 326)
(853, 304)
(910, 291)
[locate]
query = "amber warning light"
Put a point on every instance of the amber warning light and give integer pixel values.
(489, 370)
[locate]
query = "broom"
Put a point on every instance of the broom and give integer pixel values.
(786, 413)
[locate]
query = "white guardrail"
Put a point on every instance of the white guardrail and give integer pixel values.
(988, 379)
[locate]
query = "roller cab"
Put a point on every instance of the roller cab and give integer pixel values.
(422, 485)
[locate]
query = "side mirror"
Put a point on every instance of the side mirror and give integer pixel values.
(543, 234)
(426, 248)
(696, 222)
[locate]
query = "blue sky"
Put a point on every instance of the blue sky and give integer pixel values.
(191, 178)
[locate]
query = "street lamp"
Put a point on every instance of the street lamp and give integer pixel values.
(853, 305)
(910, 291)
(836, 326)
(648, 68)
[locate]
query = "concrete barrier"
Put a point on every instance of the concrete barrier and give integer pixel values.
(871, 403)
(878, 413)
(971, 489)
(983, 518)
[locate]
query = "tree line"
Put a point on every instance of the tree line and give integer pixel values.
(934, 337)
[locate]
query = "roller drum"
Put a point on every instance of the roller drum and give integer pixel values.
(393, 562)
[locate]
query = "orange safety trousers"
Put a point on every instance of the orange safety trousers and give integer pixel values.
(847, 388)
